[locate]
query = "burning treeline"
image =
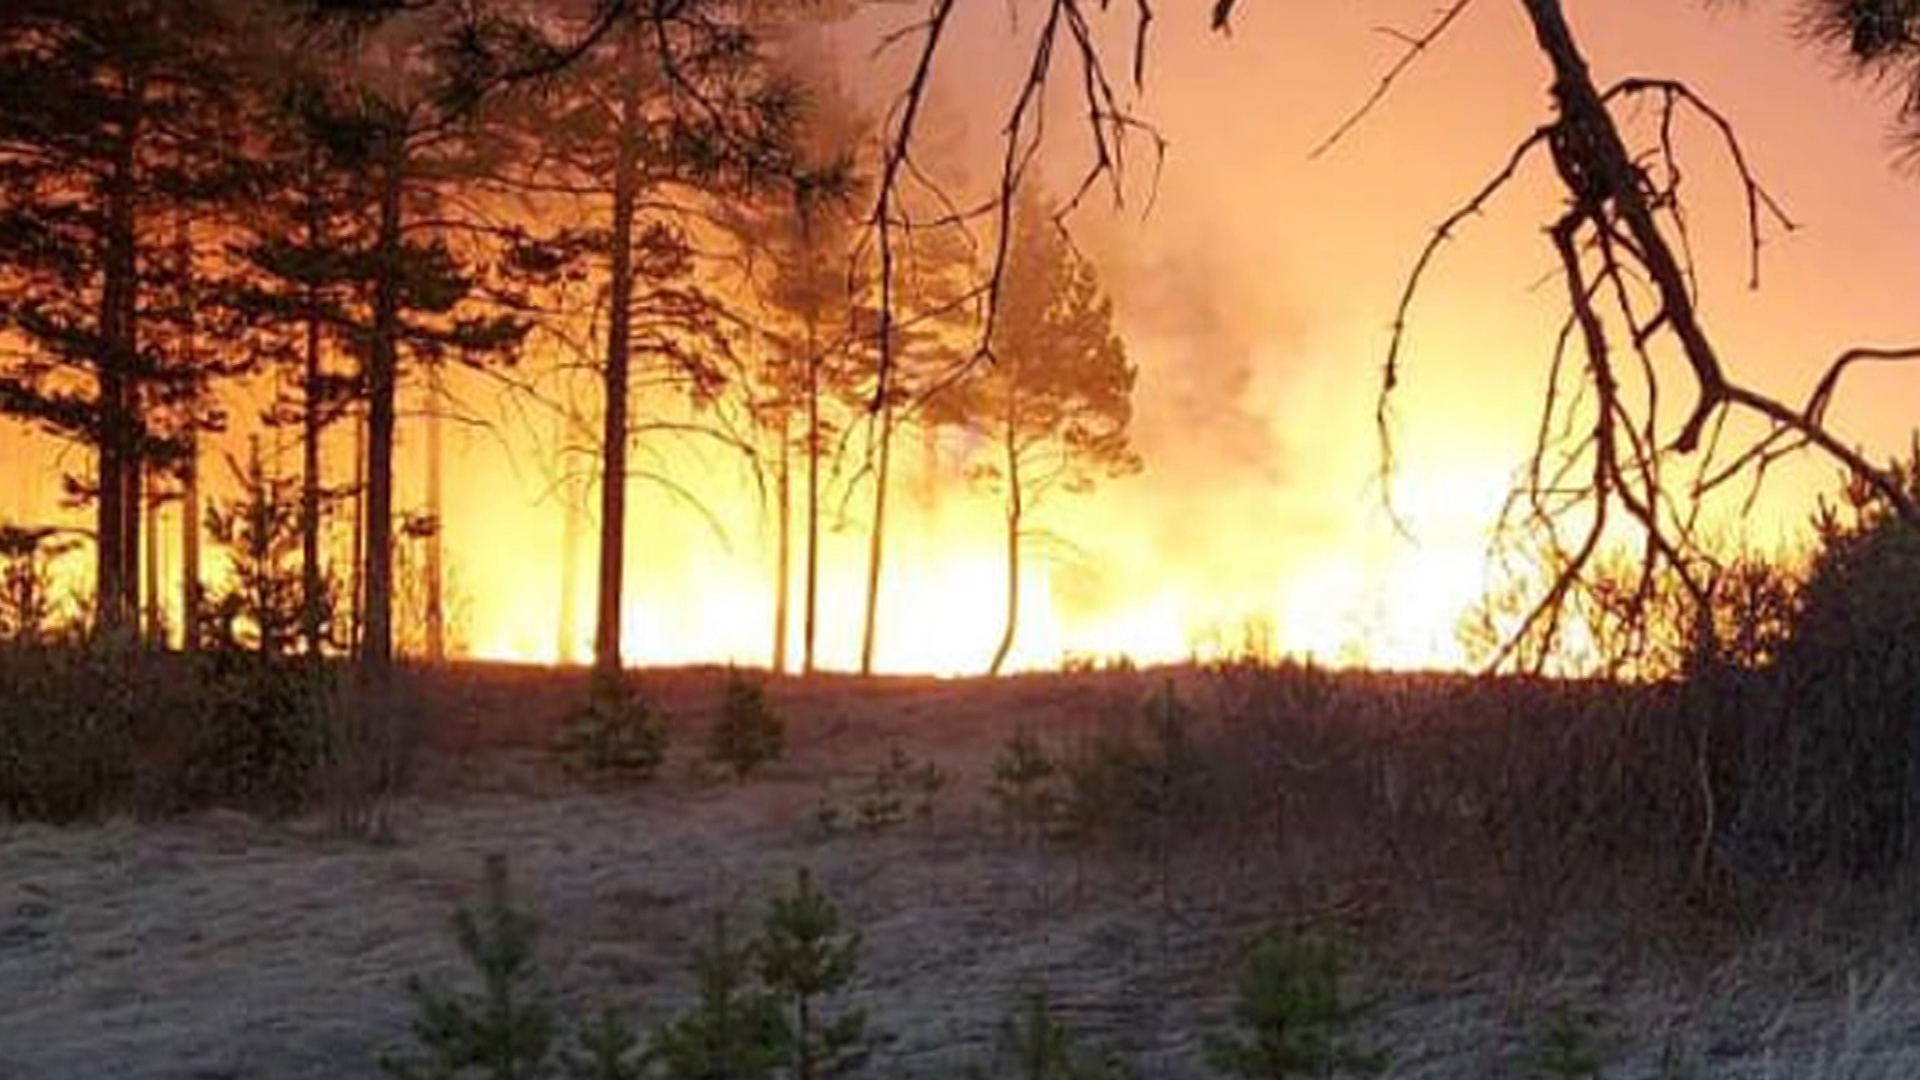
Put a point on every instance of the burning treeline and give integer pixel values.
(299, 318)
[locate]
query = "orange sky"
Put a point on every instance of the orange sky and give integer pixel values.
(1256, 299)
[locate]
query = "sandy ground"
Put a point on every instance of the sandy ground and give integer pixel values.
(223, 946)
(226, 947)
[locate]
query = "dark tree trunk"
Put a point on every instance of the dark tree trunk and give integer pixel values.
(783, 565)
(357, 586)
(810, 614)
(436, 569)
(573, 528)
(190, 591)
(616, 377)
(155, 608)
(382, 383)
(1016, 512)
(190, 615)
(312, 584)
(117, 555)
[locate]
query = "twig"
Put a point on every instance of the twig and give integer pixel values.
(1416, 46)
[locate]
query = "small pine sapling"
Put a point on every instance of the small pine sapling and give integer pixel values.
(1294, 1016)
(507, 1030)
(1023, 785)
(1034, 1045)
(804, 956)
(748, 733)
(617, 734)
(1567, 1047)
(735, 1031)
(608, 1050)
(900, 788)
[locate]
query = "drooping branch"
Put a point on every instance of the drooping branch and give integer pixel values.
(1066, 35)
(1623, 237)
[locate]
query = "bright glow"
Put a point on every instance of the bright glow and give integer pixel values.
(1384, 600)
(1256, 299)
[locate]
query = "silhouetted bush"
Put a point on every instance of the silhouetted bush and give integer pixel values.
(1848, 773)
(102, 725)
(70, 724)
(1129, 784)
(262, 727)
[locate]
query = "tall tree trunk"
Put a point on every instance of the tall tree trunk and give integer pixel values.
(1016, 512)
(116, 566)
(382, 384)
(357, 587)
(783, 542)
(810, 615)
(133, 498)
(436, 569)
(312, 389)
(190, 465)
(616, 377)
(154, 605)
(876, 537)
(571, 535)
(191, 594)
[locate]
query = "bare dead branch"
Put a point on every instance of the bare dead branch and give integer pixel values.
(1416, 46)
(1473, 207)
(1758, 199)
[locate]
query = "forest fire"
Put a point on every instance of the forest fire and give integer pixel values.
(1415, 500)
(1161, 450)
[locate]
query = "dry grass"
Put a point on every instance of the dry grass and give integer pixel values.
(1475, 841)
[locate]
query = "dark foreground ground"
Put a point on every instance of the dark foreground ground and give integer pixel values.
(223, 946)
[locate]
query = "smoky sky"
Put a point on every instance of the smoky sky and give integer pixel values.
(1200, 329)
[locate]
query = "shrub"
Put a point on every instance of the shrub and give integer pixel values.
(899, 789)
(1128, 788)
(263, 729)
(1851, 671)
(618, 733)
(748, 733)
(375, 739)
(69, 719)
(1294, 1014)
(104, 725)
(506, 1031)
